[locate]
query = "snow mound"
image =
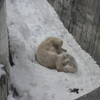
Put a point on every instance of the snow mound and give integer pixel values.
(29, 23)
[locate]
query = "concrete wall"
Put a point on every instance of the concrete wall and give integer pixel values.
(82, 19)
(4, 79)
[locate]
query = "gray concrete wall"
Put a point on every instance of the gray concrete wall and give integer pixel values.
(4, 79)
(94, 95)
(82, 19)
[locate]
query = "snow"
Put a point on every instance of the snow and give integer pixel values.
(29, 23)
(10, 97)
(2, 72)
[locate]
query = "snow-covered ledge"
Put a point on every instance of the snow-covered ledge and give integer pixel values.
(29, 23)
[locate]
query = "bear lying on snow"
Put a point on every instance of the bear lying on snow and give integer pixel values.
(49, 54)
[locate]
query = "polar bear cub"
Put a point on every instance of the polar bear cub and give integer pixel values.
(49, 55)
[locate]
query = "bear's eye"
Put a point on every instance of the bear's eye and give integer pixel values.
(64, 64)
(61, 43)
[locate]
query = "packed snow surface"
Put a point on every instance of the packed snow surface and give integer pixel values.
(10, 97)
(29, 23)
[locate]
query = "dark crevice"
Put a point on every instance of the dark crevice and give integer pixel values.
(10, 56)
(14, 91)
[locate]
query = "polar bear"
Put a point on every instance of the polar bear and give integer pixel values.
(49, 55)
(47, 52)
(66, 63)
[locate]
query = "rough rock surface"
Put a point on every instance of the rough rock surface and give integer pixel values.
(4, 78)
